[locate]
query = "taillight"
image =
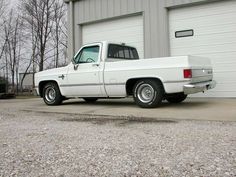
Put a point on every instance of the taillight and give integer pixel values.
(187, 73)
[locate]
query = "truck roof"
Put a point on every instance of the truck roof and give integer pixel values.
(111, 42)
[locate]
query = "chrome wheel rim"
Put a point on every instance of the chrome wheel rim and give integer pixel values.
(50, 94)
(145, 93)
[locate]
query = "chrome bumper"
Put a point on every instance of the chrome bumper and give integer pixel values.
(199, 87)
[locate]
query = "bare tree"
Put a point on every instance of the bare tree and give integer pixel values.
(39, 15)
(34, 54)
(13, 46)
(35, 40)
(3, 7)
(46, 34)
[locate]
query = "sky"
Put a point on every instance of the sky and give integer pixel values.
(13, 2)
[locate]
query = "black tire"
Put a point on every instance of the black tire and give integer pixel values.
(51, 94)
(148, 93)
(90, 100)
(176, 98)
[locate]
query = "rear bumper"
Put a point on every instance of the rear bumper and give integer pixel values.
(199, 87)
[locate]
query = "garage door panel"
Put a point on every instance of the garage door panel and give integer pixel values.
(224, 67)
(132, 29)
(223, 88)
(224, 77)
(214, 8)
(199, 50)
(203, 14)
(203, 21)
(131, 35)
(218, 59)
(228, 57)
(214, 37)
(220, 31)
(201, 44)
(130, 38)
(114, 24)
(128, 30)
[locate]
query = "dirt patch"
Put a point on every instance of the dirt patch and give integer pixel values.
(122, 121)
(101, 119)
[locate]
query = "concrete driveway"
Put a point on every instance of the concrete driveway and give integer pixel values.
(192, 109)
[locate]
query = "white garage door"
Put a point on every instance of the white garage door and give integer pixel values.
(128, 30)
(214, 28)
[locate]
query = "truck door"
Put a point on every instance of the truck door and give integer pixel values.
(83, 77)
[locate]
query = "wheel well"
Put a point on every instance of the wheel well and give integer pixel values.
(131, 83)
(42, 84)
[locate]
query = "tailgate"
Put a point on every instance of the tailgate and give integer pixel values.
(201, 69)
(202, 75)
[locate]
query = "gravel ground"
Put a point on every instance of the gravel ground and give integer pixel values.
(46, 144)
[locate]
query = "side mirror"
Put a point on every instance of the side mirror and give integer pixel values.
(75, 65)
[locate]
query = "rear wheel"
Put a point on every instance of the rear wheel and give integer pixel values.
(90, 100)
(51, 94)
(176, 98)
(148, 93)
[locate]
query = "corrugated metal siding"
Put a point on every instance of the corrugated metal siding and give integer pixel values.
(156, 39)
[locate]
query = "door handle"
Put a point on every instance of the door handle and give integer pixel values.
(95, 65)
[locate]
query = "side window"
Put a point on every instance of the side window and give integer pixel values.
(127, 52)
(88, 55)
(115, 51)
(134, 53)
(122, 52)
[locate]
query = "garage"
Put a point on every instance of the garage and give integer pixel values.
(128, 29)
(208, 30)
(163, 28)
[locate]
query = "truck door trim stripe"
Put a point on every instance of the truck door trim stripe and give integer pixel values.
(90, 84)
(177, 81)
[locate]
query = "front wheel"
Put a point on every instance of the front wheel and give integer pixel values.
(148, 93)
(51, 94)
(176, 98)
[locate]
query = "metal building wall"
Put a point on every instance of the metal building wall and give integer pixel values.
(155, 15)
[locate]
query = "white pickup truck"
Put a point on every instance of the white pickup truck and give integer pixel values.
(111, 70)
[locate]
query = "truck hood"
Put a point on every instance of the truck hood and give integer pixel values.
(52, 72)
